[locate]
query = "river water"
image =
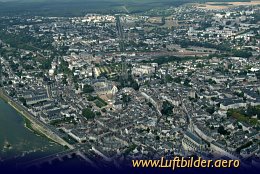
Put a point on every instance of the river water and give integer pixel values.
(19, 143)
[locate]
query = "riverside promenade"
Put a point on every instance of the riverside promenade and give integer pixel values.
(35, 123)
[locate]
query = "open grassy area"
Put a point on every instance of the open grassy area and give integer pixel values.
(29, 125)
(218, 5)
(100, 104)
(239, 116)
(81, 7)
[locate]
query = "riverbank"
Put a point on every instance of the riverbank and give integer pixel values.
(29, 125)
(33, 123)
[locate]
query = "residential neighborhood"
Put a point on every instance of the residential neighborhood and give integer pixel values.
(140, 86)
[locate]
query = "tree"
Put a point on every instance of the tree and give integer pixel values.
(64, 80)
(222, 131)
(239, 94)
(228, 22)
(87, 113)
(135, 85)
(157, 138)
(167, 108)
(200, 65)
(164, 45)
(210, 110)
(211, 81)
(76, 86)
(242, 53)
(98, 113)
(91, 98)
(187, 82)
(177, 79)
(21, 99)
(168, 78)
(88, 89)
(126, 98)
(46, 64)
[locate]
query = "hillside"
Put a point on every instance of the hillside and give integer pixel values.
(80, 7)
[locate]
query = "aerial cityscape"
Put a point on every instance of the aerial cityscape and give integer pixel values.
(108, 87)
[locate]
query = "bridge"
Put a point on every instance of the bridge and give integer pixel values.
(51, 159)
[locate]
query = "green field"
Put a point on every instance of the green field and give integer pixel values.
(81, 7)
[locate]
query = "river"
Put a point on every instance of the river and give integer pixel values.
(19, 143)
